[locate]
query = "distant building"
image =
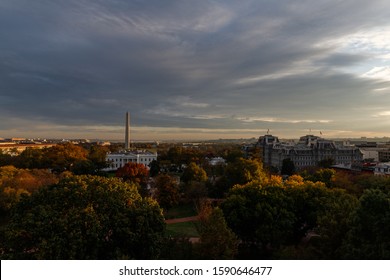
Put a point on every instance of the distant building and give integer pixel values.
(382, 169)
(371, 154)
(104, 143)
(309, 151)
(15, 149)
(384, 155)
(217, 161)
(118, 160)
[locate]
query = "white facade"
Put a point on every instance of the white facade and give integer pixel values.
(118, 160)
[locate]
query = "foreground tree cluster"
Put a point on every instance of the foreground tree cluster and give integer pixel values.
(85, 217)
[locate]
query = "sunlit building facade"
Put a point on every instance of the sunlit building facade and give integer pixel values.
(309, 151)
(118, 160)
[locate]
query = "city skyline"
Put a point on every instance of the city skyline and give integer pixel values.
(191, 70)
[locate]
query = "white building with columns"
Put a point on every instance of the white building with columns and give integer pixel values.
(118, 160)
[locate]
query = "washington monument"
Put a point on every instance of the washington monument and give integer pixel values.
(127, 133)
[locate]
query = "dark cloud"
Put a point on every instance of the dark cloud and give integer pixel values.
(184, 64)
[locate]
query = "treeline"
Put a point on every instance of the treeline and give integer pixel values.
(59, 158)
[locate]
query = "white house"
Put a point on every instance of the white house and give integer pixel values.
(117, 160)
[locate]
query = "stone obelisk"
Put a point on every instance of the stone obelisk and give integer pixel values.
(127, 133)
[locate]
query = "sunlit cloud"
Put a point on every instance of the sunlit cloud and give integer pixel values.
(279, 120)
(379, 73)
(382, 114)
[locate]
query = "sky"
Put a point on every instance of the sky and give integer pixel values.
(189, 69)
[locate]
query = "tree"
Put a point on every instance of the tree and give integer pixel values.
(324, 175)
(97, 155)
(134, 172)
(64, 156)
(288, 167)
(369, 234)
(14, 182)
(195, 191)
(84, 167)
(309, 201)
(154, 168)
(243, 171)
(262, 217)
(333, 223)
(217, 241)
(167, 191)
(6, 159)
(31, 158)
(194, 173)
(218, 187)
(85, 217)
(326, 163)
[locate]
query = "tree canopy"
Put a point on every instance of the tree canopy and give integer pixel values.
(270, 217)
(14, 182)
(167, 191)
(85, 217)
(193, 172)
(369, 234)
(217, 240)
(243, 171)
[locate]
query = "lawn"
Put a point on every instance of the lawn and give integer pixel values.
(186, 229)
(181, 211)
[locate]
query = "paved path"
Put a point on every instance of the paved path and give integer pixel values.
(181, 220)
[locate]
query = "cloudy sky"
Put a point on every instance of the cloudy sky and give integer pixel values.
(189, 69)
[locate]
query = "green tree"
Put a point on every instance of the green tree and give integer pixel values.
(154, 168)
(309, 201)
(84, 167)
(326, 163)
(6, 159)
(85, 217)
(325, 175)
(31, 158)
(288, 167)
(262, 217)
(195, 191)
(217, 241)
(193, 172)
(97, 155)
(243, 171)
(333, 223)
(166, 191)
(219, 187)
(369, 235)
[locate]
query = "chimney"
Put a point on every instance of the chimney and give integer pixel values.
(127, 133)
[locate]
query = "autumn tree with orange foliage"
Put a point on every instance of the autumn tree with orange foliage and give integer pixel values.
(64, 156)
(136, 173)
(14, 182)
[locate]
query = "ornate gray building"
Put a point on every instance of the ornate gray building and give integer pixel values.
(307, 152)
